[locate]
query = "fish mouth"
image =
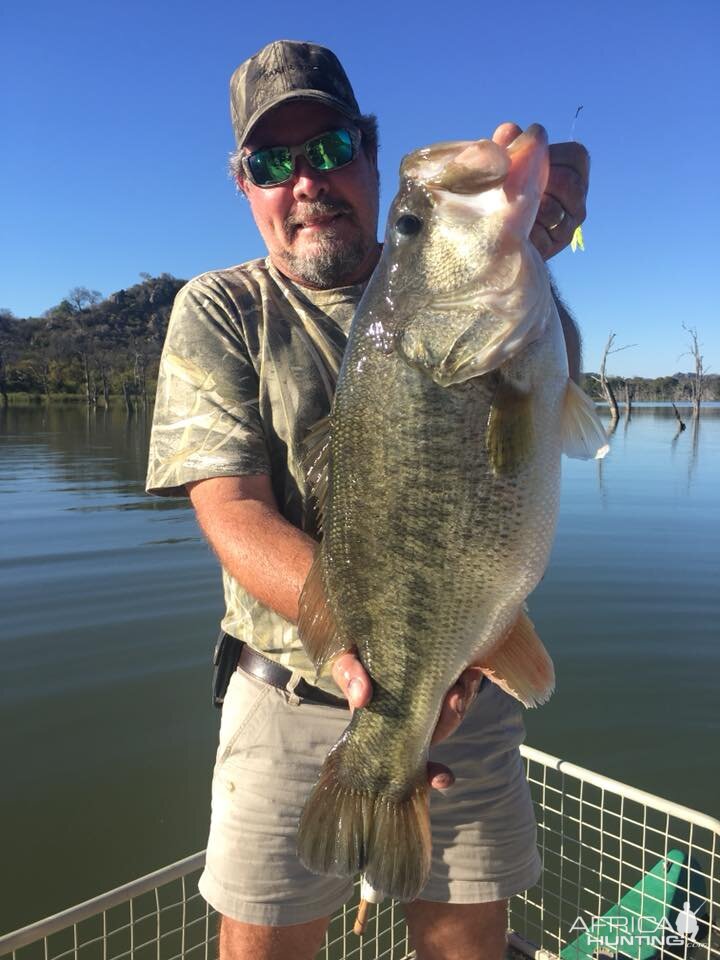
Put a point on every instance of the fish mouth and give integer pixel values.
(533, 136)
(529, 163)
(468, 167)
(459, 167)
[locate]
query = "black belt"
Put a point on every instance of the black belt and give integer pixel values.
(269, 671)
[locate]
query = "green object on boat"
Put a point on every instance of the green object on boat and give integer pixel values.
(654, 909)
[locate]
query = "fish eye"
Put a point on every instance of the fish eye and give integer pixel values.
(408, 224)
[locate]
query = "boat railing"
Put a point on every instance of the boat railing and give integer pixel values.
(599, 839)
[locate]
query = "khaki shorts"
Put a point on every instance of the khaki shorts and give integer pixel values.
(271, 749)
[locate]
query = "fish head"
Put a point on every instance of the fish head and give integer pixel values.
(463, 280)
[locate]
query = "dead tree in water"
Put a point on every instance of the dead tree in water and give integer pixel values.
(140, 367)
(679, 418)
(605, 384)
(102, 369)
(88, 379)
(697, 381)
(126, 395)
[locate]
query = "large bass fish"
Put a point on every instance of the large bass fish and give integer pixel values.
(438, 489)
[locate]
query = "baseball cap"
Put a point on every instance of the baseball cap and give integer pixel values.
(287, 70)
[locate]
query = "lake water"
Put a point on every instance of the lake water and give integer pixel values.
(110, 602)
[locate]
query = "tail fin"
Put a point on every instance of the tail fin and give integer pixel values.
(345, 831)
(521, 665)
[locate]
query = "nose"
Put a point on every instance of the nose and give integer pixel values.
(309, 183)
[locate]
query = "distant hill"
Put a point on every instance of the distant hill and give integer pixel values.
(92, 349)
(88, 347)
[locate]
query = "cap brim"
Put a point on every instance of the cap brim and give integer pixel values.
(315, 95)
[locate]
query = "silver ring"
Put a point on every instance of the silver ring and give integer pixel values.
(562, 217)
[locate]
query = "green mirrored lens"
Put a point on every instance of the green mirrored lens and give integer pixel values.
(271, 165)
(333, 149)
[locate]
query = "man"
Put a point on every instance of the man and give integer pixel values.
(249, 365)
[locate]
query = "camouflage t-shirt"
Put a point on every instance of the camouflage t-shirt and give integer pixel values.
(249, 365)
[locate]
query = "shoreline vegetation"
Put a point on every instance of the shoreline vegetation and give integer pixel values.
(23, 399)
(88, 348)
(105, 351)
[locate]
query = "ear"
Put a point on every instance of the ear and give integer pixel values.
(241, 184)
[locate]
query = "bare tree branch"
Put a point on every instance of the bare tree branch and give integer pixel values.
(605, 384)
(697, 382)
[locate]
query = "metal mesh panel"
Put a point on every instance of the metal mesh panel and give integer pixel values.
(598, 839)
(385, 936)
(163, 917)
(167, 920)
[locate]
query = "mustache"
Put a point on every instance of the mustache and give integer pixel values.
(316, 208)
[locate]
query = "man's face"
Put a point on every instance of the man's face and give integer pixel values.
(320, 228)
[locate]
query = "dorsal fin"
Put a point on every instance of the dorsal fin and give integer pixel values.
(316, 624)
(316, 464)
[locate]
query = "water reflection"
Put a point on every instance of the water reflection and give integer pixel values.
(694, 449)
(610, 430)
(658, 425)
(110, 604)
(110, 608)
(87, 446)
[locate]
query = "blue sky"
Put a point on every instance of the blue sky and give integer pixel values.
(116, 134)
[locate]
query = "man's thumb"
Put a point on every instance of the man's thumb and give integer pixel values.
(506, 133)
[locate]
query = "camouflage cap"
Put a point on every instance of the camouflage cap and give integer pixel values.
(287, 70)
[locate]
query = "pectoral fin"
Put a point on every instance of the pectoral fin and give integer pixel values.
(316, 624)
(510, 436)
(583, 434)
(521, 666)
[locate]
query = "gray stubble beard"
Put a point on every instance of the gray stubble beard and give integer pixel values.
(330, 262)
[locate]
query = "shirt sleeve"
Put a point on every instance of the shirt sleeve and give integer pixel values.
(207, 421)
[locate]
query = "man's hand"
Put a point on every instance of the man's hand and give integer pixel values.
(350, 676)
(562, 207)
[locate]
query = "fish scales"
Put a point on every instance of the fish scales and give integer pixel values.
(414, 586)
(442, 491)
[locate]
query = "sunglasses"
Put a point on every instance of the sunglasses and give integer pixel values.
(271, 166)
